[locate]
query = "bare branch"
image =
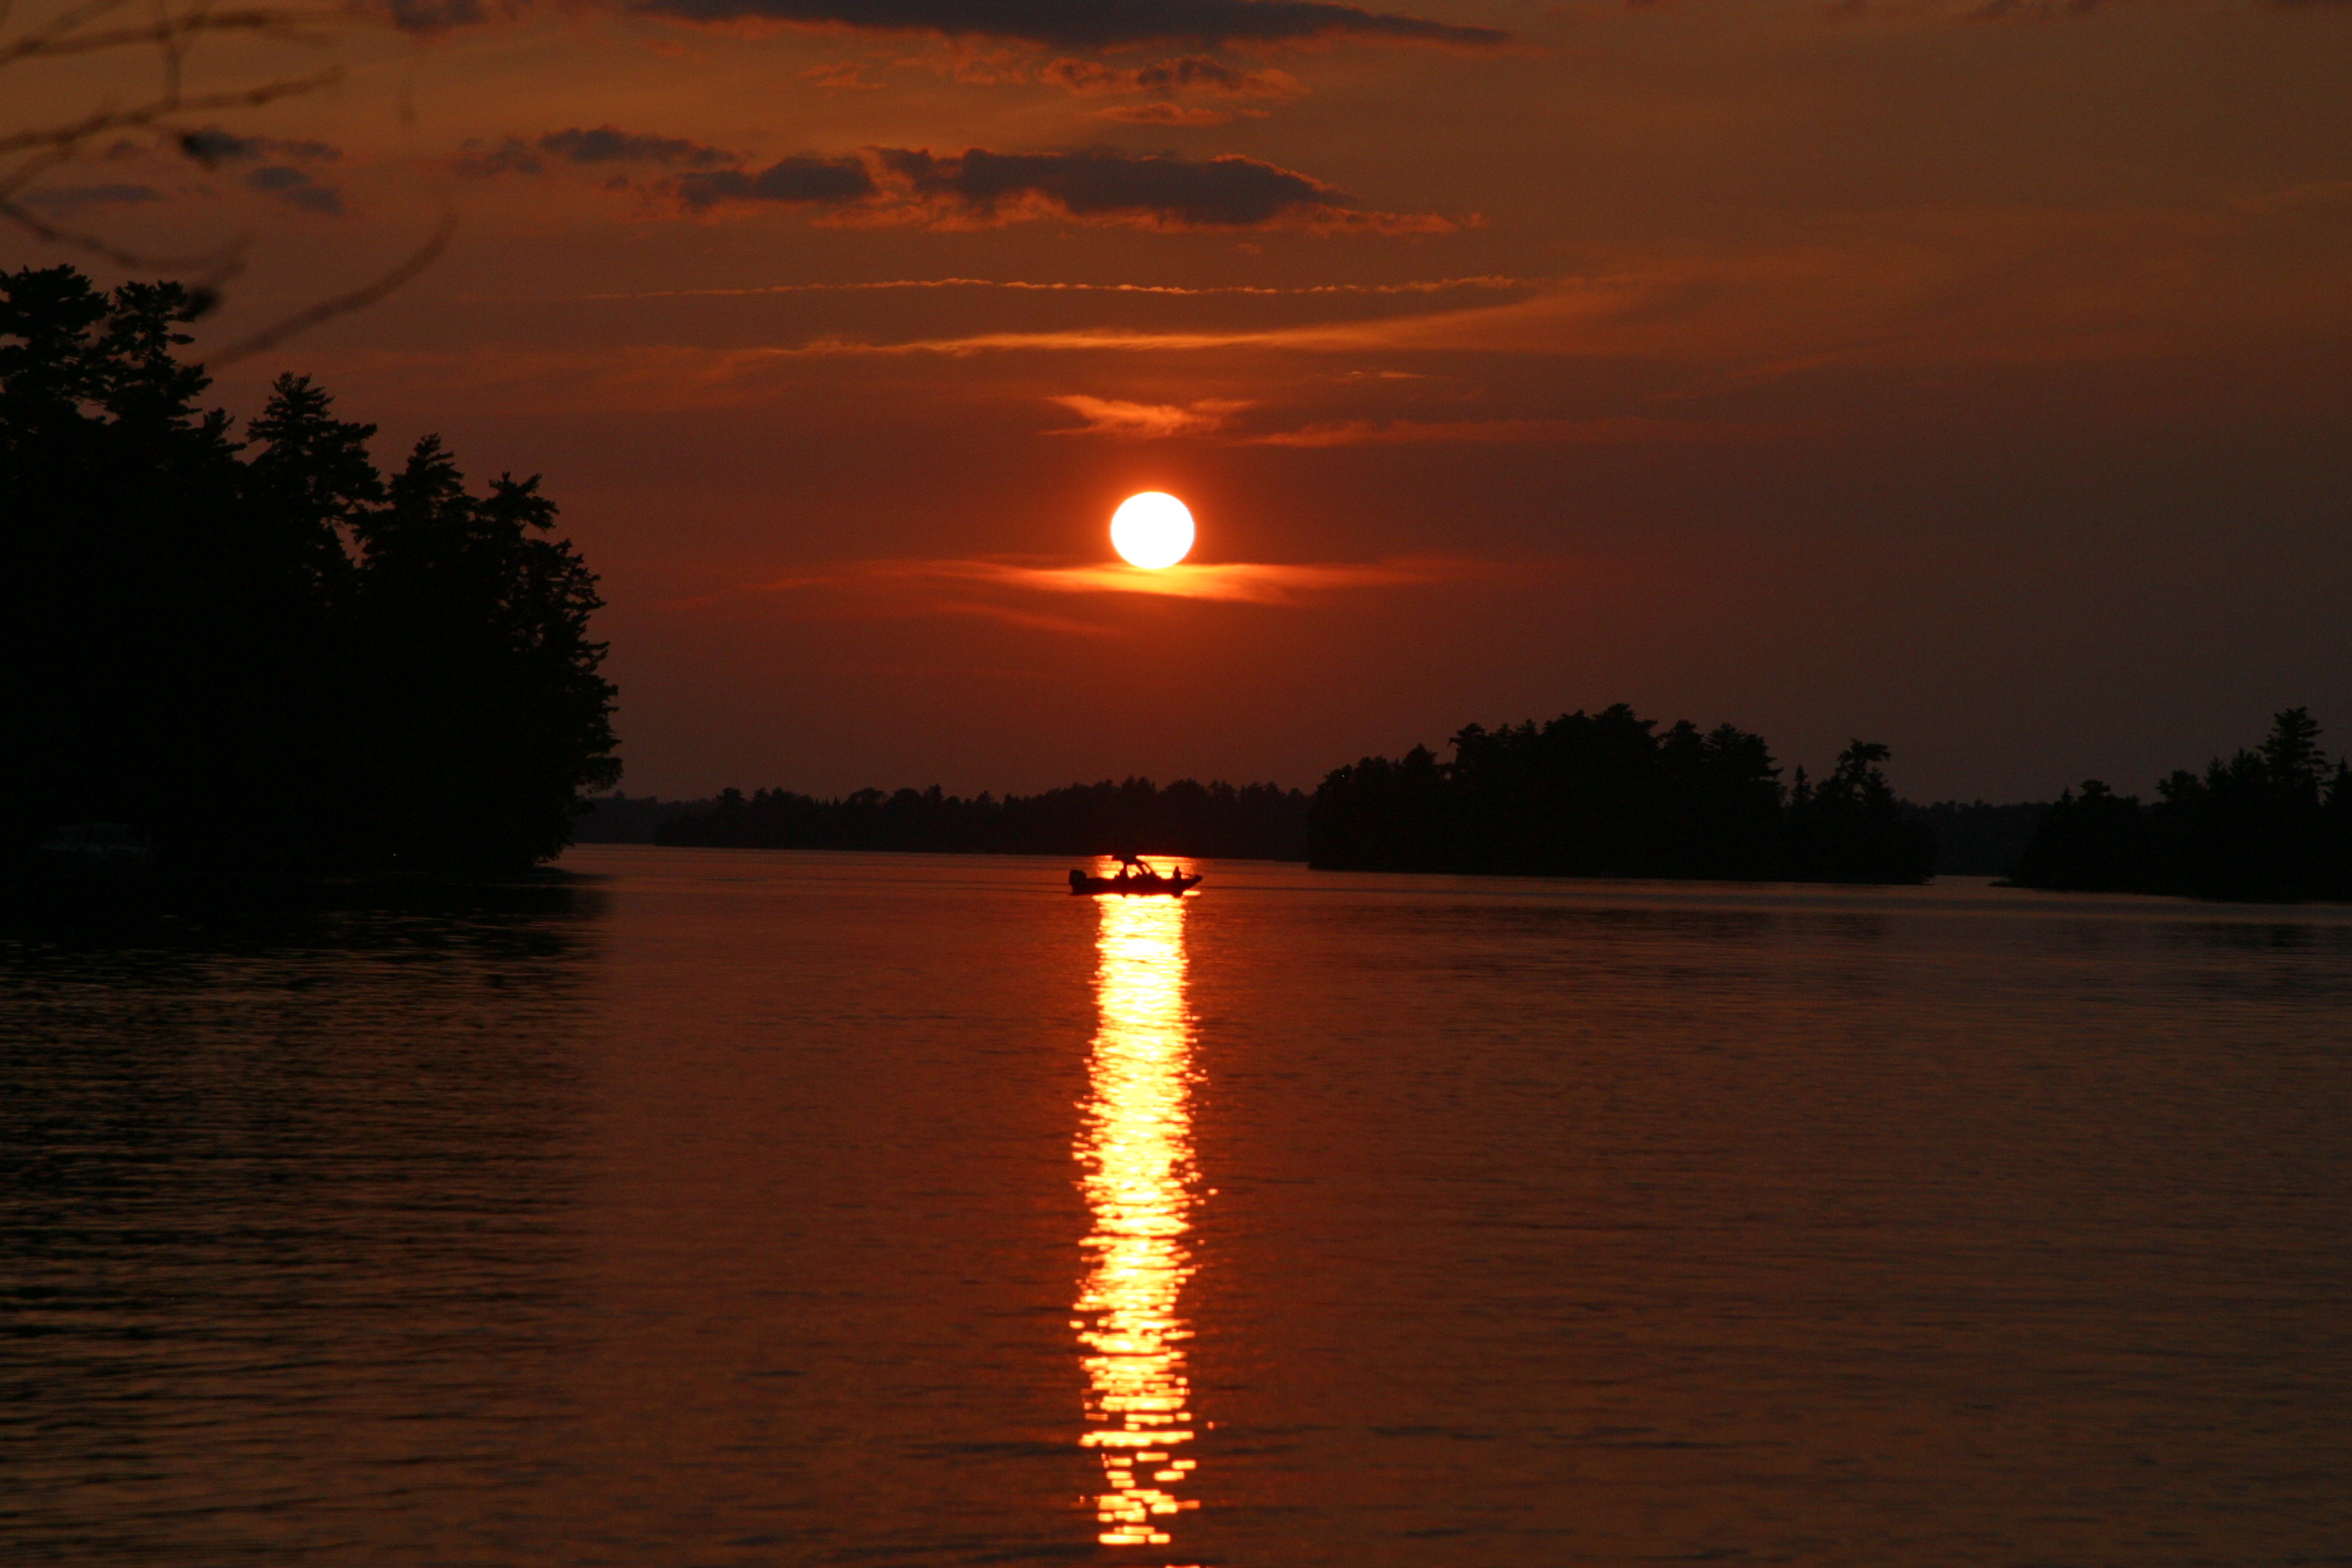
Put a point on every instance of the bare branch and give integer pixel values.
(74, 17)
(160, 32)
(112, 119)
(343, 304)
(171, 46)
(219, 263)
(171, 30)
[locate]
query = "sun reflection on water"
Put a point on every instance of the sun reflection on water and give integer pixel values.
(1136, 1150)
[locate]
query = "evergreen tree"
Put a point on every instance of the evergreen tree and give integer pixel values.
(1859, 832)
(492, 717)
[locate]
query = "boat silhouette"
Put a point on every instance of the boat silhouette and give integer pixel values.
(1134, 877)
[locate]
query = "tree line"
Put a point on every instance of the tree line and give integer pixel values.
(254, 646)
(1250, 822)
(2272, 823)
(1600, 794)
(1604, 794)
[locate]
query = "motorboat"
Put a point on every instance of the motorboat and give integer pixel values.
(1134, 877)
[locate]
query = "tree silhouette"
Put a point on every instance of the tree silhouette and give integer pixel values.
(2271, 823)
(1602, 794)
(1855, 830)
(256, 650)
(1187, 817)
(2095, 842)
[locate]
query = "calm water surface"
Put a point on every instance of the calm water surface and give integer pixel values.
(728, 1207)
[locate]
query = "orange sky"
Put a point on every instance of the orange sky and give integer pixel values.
(1973, 377)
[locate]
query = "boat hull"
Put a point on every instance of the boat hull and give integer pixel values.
(1085, 885)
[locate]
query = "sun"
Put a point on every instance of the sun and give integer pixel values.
(1152, 529)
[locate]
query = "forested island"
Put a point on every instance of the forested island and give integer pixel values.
(253, 650)
(2272, 823)
(1604, 794)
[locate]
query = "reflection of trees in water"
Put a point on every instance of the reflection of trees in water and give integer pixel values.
(2261, 961)
(279, 1204)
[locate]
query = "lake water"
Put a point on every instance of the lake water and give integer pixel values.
(730, 1207)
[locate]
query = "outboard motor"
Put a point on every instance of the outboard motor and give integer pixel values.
(1077, 881)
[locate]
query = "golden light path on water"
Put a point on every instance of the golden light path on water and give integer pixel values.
(1136, 1151)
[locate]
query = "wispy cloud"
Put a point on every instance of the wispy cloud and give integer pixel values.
(1418, 286)
(1165, 113)
(1146, 421)
(1620, 432)
(1244, 583)
(1009, 589)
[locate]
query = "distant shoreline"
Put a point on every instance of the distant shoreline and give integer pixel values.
(1973, 839)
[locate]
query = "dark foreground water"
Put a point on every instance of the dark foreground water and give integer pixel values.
(734, 1208)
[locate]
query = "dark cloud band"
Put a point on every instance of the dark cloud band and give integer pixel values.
(1192, 73)
(605, 145)
(803, 180)
(1096, 24)
(973, 188)
(1217, 192)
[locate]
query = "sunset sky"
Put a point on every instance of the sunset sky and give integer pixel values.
(1968, 376)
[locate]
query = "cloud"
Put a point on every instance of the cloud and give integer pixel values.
(1146, 421)
(2036, 10)
(1236, 582)
(610, 144)
(435, 15)
(1076, 24)
(1342, 337)
(1620, 432)
(605, 145)
(1165, 113)
(295, 188)
(1006, 588)
(1191, 73)
(841, 76)
(804, 179)
(1160, 191)
(975, 188)
(75, 198)
(213, 145)
(1416, 286)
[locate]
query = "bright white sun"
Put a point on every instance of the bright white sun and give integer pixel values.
(1152, 529)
